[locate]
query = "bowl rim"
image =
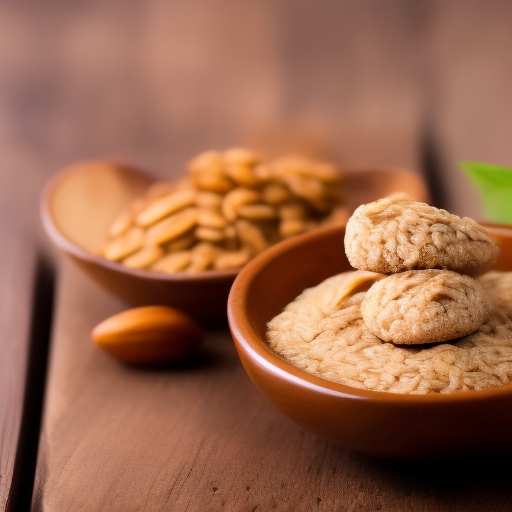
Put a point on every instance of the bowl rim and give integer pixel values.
(66, 245)
(255, 348)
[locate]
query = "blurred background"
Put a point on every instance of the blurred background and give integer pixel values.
(415, 84)
(418, 84)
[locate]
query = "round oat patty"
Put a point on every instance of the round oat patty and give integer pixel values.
(425, 306)
(397, 234)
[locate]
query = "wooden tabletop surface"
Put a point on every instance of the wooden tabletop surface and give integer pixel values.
(413, 84)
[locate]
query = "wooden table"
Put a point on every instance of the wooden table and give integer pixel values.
(419, 85)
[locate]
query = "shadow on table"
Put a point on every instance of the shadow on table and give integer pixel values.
(217, 352)
(458, 485)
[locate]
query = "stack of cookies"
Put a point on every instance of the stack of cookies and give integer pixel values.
(430, 258)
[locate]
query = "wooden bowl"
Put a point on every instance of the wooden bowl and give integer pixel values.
(80, 203)
(434, 426)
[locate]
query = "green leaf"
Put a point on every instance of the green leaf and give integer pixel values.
(494, 184)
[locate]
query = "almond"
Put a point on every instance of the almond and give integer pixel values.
(150, 335)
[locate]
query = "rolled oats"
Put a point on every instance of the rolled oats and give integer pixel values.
(498, 286)
(328, 338)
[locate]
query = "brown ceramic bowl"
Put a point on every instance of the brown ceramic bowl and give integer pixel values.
(462, 424)
(80, 203)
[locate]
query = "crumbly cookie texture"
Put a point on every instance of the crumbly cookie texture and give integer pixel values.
(498, 286)
(327, 337)
(425, 306)
(397, 234)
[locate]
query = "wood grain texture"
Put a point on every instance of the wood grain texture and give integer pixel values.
(351, 68)
(201, 437)
(17, 272)
(155, 82)
(19, 324)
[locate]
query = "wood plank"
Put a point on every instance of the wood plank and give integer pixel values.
(25, 291)
(93, 89)
(155, 85)
(25, 306)
(201, 437)
(17, 271)
(468, 76)
(351, 70)
(25, 310)
(156, 82)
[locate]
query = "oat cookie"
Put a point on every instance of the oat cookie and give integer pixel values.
(397, 234)
(498, 286)
(328, 338)
(425, 306)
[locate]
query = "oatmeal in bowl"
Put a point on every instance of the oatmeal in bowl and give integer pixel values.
(434, 329)
(432, 418)
(333, 341)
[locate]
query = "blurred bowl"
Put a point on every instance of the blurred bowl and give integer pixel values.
(78, 207)
(434, 426)
(80, 203)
